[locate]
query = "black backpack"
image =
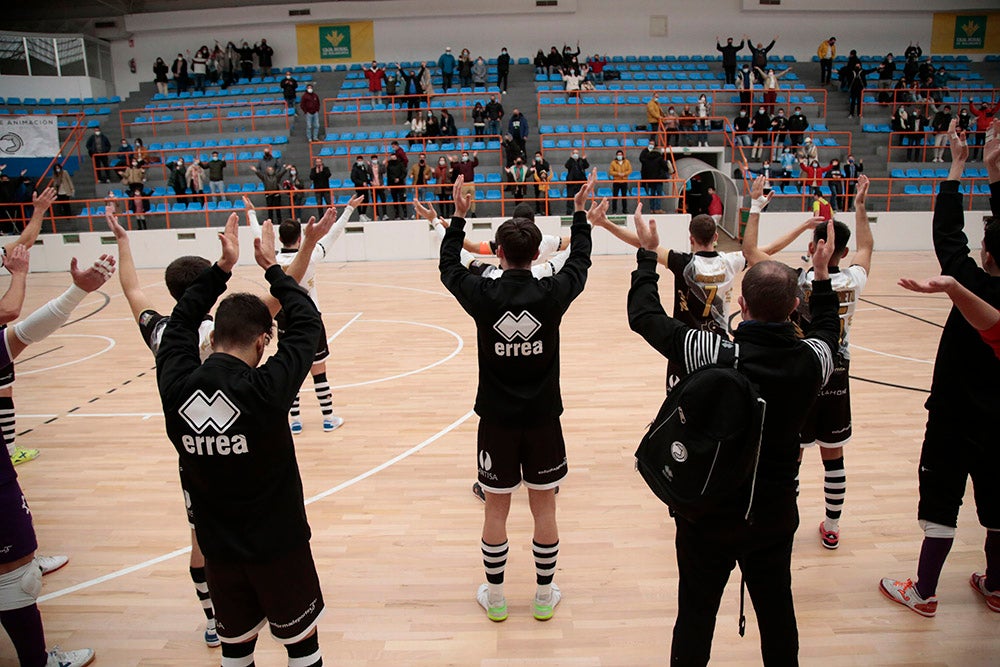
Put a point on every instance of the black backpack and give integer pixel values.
(703, 447)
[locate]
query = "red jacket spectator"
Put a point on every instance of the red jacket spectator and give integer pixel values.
(715, 205)
(375, 78)
(983, 115)
(310, 102)
(812, 176)
(466, 168)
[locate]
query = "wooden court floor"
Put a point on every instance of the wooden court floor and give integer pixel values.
(396, 529)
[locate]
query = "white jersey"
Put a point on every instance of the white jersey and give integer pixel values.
(703, 286)
(152, 324)
(548, 262)
(848, 283)
(287, 255)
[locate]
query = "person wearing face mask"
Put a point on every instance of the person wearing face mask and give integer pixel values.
(653, 169)
(654, 116)
(98, 148)
(266, 160)
(296, 190)
(447, 64)
(395, 179)
(479, 119)
(310, 109)
(319, 175)
(444, 180)
(265, 57)
(541, 186)
(835, 181)
(856, 83)
(619, 171)
(827, 51)
(413, 90)
(886, 72)
(466, 168)
(686, 124)
(576, 173)
(812, 175)
(133, 176)
(670, 123)
(289, 86)
(479, 73)
(769, 81)
(420, 175)
(787, 162)
(216, 176)
(702, 110)
(361, 177)
(851, 169)
(518, 173)
(272, 177)
(160, 71)
(179, 69)
(65, 190)
(741, 129)
(797, 124)
(431, 127)
(745, 83)
(246, 54)
(511, 150)
(779, 127)
(375, 76)
(759, 53)
(377, 196)
(494, 114)
(984, 115)
(597, 65)
(447, 124)
(465, 65)
(807, 151)
(177, 179)
(517, 125)
(761, 123)
(729, 52)
(503, 69)
(418, 128)
(901, 127)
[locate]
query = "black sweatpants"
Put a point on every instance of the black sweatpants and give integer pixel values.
(706, 554)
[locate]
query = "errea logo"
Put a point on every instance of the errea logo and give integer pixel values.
(200, 412)
(512, 327)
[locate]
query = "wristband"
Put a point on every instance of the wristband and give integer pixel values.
(757, 205)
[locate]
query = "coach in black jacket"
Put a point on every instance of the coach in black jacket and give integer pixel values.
(789, 372)
(227, 419)
(520, 438)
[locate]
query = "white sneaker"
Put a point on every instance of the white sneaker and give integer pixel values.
(50, 564)
(77, 658)
(544, 609)
(333, 423)
(211, 636)
(495, 612)
(364, 218)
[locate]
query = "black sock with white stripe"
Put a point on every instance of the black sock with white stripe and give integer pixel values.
(495, 562)
(201, 587)
(545, 567)
(294, 412)
(834, 488)
(239, 655)
(305, 653)
(8, 421)
(324, 394)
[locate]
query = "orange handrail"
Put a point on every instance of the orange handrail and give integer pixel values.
(163, 118)
(959, 97)
(460, 143)
(158, 159)
(363, 105)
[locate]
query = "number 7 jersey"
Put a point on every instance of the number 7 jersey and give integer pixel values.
(703, 285)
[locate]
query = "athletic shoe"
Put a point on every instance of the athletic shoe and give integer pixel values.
(477, 491)
(978, 583)
(211, 636)
(296, 427)
(50, 564)
(364, 218)
(496, 612)
(77, 658)
(545, 608)
(333, 423)
(829, 538)
(22, 455)
(905, 593)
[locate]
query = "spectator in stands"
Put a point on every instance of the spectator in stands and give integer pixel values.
(432, 127)
(729, 57)
(541, 185)
(653, 168)
(964, 120)
(296, 191)
(511, 150)
(231, 65)
(265, 57)
(856, 83)
(447, 64)
(503, 69)
(759, 53)
(62, 183)
(843, 74)
(576, 174)
(216, 63)
(133, 175)
(597, 65)
(808, 150)
(412, 90)
(479, 119)
(835, 181)
(686, 124)
(443, 179)
(266, 160)
(984, 115)
(271, 177)
(395, 179)
(289, 86)
(900, 125)
(701, 110)
(741, 129)
(447, 124)
(466, 167)
(925, 70)
(320, 177)
(395, 148)
(913, 51)
(310, 109)
(418, 129)
(378, 170)
(194, 177)
(420, 176)
(375, 76)
(812, 175)
(787, 162)
(619, 171)
(770, 85)
(361, 177)
(827, 51)
(246, 53)
(479, 73)
(671, 126)
(918, 123)
(886, 72)
(852, 169)
(941, 79)
(761, 124)
(199, 68)
(571, 79)
(12, 192)
(745, 83)
(393, 83)
(98, 148)
(540, 63)
(910, 69)
(654, 114)
(180, 71)
(139, 153)
(554, 61)
(518, 179)
(177, 178)
(465, 68)
(124, 153)
(216, 175)
(714, 205)
(160, 71)
(517, 125)
(139, 205)
(569, 56)
(426, 83)
(494, 114)
(797, 124)
(779, 132)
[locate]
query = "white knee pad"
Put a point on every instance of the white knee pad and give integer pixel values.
(932, 529)
(20, 588)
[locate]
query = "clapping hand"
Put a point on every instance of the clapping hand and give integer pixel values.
(649, 238)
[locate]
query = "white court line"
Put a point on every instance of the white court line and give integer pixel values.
(20, 416)
(408, 289)
(319, 496)
(341, 329)
(144, 415)
(111, 344)
(855, 346)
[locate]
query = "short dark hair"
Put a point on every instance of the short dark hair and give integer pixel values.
(181, 273)
(524, 211)
(841, 235)
(240, 318)
(702, 228)
(519, 238)
(991, 236)
(289, 232)
(769, 290)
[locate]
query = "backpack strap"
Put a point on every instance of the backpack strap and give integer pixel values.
(743, 618)
(729, 355)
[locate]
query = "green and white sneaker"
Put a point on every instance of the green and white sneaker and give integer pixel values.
(544, 609)
(494, 612)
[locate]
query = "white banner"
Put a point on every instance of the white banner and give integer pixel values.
(28, 136)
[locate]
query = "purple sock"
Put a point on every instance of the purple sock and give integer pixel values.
(933, 553)
(24, 626)
(992, 560)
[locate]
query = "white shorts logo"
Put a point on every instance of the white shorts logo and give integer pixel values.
(200, 411)
(679, 452)
(523, 326)
(485, 462)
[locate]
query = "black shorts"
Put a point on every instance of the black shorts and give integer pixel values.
(7, 369)
(952, 453)
(829, 421)
(507, 454)
(17, 533)
(322, 349)
(187, 496)
(283, 593)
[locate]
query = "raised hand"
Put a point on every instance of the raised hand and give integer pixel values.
(757, 192)
(44, 200)
(598, 213)
(314, 231)
(930, 286)
(263, 247)
(649, 238)
(112, 219)
(580, 199)
(356, 201)
(16, 260)
(463, 202)
(247, 204)
(823, 253)
(92, 278)
(426, 212)
(959, 145)
(230, 241)
(862, 191)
